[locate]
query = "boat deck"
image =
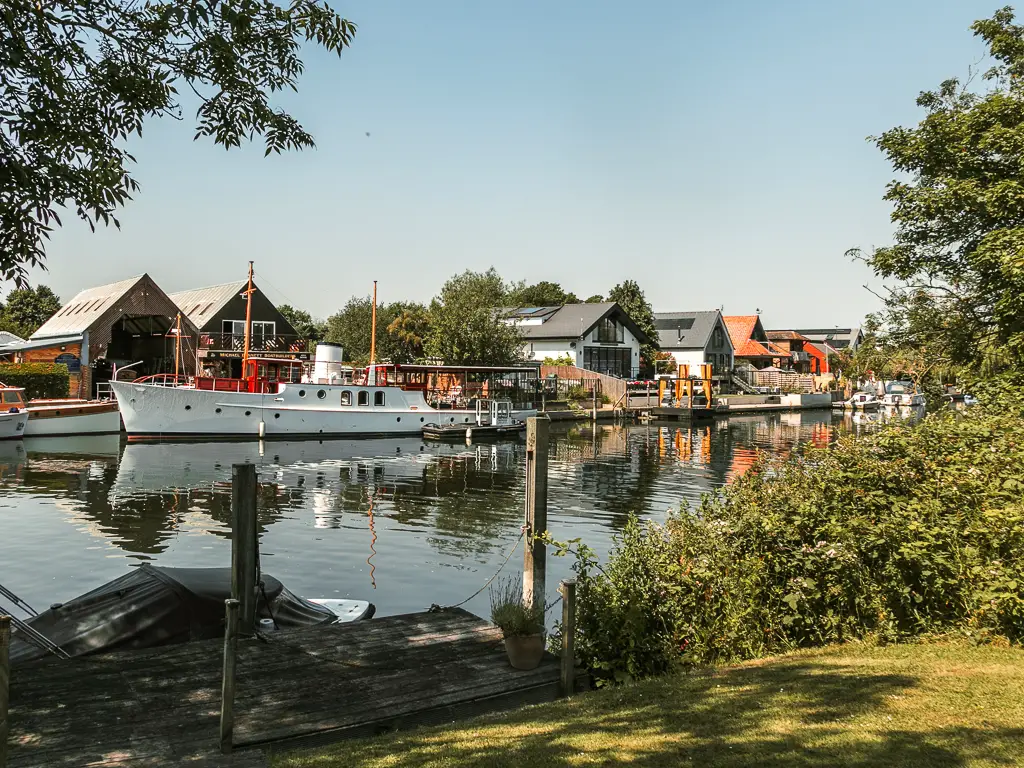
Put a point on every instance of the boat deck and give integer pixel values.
(161, 707)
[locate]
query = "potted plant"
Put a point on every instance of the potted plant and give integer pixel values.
(521, 625)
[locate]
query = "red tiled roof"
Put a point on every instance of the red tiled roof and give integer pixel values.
(741, 328)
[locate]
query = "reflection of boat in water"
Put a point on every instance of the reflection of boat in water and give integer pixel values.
(147, 468)
(98, 446)
(158, 606)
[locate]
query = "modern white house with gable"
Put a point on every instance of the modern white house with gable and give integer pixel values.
(695, 338)
(598, 337)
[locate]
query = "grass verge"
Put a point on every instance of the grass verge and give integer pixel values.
(853, 705)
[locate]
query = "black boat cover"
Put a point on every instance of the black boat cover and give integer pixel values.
(156, 606)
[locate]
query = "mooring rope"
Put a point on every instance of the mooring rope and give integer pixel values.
(435, 607)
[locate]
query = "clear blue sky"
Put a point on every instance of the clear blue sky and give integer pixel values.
(715, 152)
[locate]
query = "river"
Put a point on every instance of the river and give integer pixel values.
(402, 522)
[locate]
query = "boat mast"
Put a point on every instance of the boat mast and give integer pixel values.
(373, 339)
(248, 321)
(177, 347)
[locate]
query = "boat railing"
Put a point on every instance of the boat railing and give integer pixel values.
(163, 380)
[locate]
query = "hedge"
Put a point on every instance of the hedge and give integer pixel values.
(40, 380)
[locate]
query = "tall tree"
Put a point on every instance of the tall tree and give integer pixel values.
(407, 333)
(350, 327)
(79, 76)
(305, 325)
(631, 298)
(957, 206)
(597, 298)
(467, 326)
(27, 309)
(542, 294)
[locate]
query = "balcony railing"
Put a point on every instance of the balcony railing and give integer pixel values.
(258, 342)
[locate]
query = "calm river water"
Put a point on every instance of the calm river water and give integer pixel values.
(403, 523)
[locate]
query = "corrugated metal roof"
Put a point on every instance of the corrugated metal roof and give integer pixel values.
(75, 317)
(34, 343)
(200, 304)
(685, 330)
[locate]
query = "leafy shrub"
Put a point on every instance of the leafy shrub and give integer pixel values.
(913, 530)
(40, 380)
(515, 618)
(565, 359)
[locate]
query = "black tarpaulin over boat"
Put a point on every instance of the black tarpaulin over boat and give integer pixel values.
(156, 606)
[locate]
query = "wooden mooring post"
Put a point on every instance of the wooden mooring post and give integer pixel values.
(534, 558)
(568, 591)
(227, 682)
(244, 543)
(5, 686)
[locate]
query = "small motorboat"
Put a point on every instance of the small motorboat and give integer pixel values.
(154, 606)
(50, 418)
(13, 414)
(899, 394)
(863, 401)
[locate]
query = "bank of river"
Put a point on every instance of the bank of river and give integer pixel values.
(401, 522)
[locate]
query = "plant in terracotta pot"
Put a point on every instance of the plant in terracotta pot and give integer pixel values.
(521, 625)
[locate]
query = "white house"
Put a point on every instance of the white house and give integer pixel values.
(598, 337)
(695, 338)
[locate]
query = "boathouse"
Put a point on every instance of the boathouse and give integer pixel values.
(129, 322)
(598, 337)
(695, 338)
(219, 313)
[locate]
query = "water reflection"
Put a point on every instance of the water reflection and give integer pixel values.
(400, 521)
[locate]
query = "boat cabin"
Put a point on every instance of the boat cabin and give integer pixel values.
(459, 386)
(261, 375)
(12, 399)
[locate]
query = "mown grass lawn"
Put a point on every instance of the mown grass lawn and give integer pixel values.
(854, 705)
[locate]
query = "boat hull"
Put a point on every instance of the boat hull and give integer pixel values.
(84, 418)
(12, 424)
(308, 411)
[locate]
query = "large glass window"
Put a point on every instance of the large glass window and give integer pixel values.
(610, 332)
(613, 361)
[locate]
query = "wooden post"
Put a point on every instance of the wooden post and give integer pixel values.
(568, 591)
(227, 683)
(243, 543)
(5, 685)
(534, 557)
(593, 391)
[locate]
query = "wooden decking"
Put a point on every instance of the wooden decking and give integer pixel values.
(161, 707)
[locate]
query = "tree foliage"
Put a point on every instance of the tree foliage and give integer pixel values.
(467, 325)
(407, 333)
(958, 251)
(542, 294)
(305, 325)
(27, 309)
(631, 298)
(80, 76)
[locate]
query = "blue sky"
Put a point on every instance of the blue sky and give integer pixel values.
(715, 152)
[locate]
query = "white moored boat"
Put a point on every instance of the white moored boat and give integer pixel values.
(271, 402)
(13, 414)
(49, 418)
(901, 394)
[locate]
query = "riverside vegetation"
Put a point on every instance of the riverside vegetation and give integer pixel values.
(915, 530)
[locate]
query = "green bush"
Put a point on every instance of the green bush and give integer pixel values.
(913, 530)
(40, 380)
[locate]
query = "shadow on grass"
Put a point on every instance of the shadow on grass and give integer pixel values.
(797, 713)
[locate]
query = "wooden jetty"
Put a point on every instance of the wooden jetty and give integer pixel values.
(161, 707)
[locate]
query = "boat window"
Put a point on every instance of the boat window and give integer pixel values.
(12, 397)
(378, 398)
(364, 398)
(320, 393)
(346, 397)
